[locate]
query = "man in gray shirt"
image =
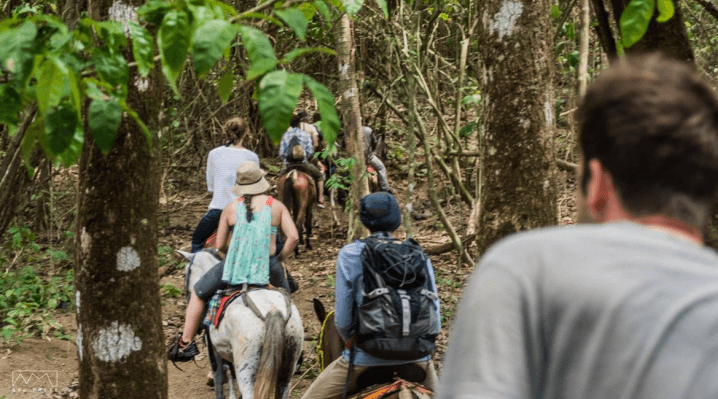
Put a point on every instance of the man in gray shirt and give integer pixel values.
(625, 306)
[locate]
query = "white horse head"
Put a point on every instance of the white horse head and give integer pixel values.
(264, 350)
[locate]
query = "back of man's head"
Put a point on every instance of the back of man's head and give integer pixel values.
(296, 119)
(653, 125)
(380, 212)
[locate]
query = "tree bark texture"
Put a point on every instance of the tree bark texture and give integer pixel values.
(120, 339)
(518, 172)
(669, 37)
(354, 138)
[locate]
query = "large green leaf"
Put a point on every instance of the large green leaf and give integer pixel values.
(290, 56)
(308, 9)
(53, 84)
(382, 4)
(16, 51)
(142, 48)
(104, 120)
(174, 41)
(225, 85)
(634, 21)
(10, 100)
(72, 152)
(278, 94)
(113, 34)
(324, 10)
(210, 40)
(294, 17)
(665, 10)
(260, 51)
(112, 68)
(154, 11)
(60, 125)
(352, 6)
(325, 103)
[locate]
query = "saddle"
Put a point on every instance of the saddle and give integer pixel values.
(406, 373)
(292, 170)
(221, 301)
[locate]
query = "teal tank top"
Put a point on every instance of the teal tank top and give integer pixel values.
(248, 254)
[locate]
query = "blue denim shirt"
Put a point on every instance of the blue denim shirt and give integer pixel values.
(348, 297)
(304, 138)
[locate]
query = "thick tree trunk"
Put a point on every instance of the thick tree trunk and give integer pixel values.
(518, 171)
(120, 340)
(351, 111)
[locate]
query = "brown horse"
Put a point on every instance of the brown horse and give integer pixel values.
(386, 381)
(298, 193)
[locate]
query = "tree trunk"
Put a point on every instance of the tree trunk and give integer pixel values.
(518, 172)
(354, 138)
(119, 319)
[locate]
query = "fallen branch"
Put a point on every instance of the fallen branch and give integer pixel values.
(566, 166)
(447, 246)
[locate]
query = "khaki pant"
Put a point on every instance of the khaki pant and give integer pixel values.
(330, 383)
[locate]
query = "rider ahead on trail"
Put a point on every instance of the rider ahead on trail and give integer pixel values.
(296, 149)
(381, 214)
(249, 250)
(373, 160)
(222, 165)
(625, 306)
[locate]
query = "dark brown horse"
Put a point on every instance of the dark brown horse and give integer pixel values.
(387, 378)
(298, 193)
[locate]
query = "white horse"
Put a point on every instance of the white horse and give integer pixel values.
(264, 349)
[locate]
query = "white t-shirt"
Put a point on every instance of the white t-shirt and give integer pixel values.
(222, 163)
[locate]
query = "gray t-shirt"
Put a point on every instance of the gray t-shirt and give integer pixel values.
(593, 311)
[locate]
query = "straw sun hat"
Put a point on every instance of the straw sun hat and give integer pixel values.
(250, 179)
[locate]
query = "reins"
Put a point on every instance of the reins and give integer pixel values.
(321, 338)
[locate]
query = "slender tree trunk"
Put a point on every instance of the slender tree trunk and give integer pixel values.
(120, 340)
(518, 173)
(354, 137)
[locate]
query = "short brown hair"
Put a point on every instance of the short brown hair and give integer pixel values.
(236, 128)
(653, 125)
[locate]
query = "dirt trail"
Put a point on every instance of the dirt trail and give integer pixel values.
(313, 270)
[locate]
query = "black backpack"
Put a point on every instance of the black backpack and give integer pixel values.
(397, 318)
(294, 151)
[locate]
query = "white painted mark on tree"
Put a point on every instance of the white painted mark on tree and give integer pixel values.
(77, 301)
(505, 20)
(141, 83)
(127, 259)
(411, 187)
(409, 207)
(124, 13)
(115, 343)
(343, 69)
(349, 93)
(548, 113)
(79, 341)
(84, 240)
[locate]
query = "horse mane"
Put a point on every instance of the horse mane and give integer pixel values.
(213, 251)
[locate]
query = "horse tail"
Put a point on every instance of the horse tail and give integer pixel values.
(288, 194)
(270, 361)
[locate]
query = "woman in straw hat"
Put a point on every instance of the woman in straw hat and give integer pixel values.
(249, 253)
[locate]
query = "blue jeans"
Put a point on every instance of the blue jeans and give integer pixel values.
(205, 229)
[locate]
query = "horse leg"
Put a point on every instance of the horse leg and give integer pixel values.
(232, 393)
(218, 376)
(308, 225)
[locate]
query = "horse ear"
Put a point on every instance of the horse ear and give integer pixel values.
(186, 255)
(319, 310)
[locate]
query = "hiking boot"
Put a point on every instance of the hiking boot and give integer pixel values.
(182, 352)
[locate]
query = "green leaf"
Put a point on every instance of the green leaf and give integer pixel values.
(289, 57)
(325, 103)
(53, 84)
(226, 83)
(352, 6)
(113, 33)
(634, 21)
(226, 8)
(72, 153)
(467, 129)
(112, 68)
(104, 120)
(154, 11)
(142, 48)
(324, 10)
(16, 51)
(209, 42)
(174, 41)
(60, 125)
(665, 10)
(260, 51)
(555, 11)
(294, 17)
(278, 94)
(29, 139)
(382, 4)
(11, 104)
(308, 9)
